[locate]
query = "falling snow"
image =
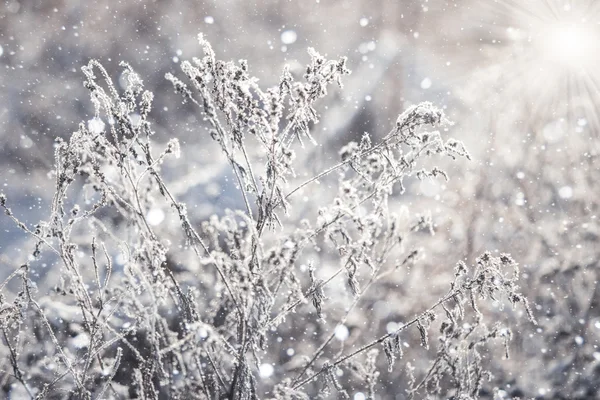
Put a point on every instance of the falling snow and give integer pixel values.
(233, 199)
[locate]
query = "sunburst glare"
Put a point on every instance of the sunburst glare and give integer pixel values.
(569, 44)
(566, 35)
(543, 56)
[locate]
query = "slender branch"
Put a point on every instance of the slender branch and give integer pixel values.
(374, 278)
(298, 302)
(380, 340)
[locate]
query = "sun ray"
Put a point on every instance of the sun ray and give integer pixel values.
(545, 53)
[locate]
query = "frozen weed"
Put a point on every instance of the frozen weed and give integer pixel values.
(129, 321)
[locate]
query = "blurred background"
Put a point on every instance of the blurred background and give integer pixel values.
(520, 79)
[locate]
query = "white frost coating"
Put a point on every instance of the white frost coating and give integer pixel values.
(96, 125)
(288, 37)
(265, 370)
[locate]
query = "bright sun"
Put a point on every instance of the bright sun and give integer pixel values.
(571, 45)
(548, 56)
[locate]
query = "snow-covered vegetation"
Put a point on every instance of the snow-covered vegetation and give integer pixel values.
(201, 233)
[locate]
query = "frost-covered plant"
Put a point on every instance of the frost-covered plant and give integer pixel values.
(543, 213)
(238, 305)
